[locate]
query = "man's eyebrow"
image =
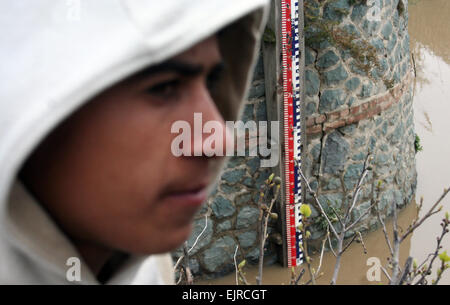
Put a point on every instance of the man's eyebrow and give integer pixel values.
(176, 66)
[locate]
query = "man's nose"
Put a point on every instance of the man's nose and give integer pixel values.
(210, 134)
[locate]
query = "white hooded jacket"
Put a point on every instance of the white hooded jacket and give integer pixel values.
(55, 56)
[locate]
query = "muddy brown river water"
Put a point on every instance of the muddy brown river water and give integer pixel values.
(429, 28)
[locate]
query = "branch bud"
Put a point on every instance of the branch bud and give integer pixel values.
(277, 180)
(305, 210)
(242, 264)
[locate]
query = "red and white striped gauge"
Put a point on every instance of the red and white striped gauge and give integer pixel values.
(292, 49)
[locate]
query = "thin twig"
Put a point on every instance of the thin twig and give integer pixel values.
(235, 265)
(186, 267)
(299, 277)
(263, 224)
(397, 240)
(239, 274)
(321, 256)
(367, 211)
(180, 259)
(331, 246)
(322, 211)
(358, 186)
(430, 213)
(201, 233)
(362, 242)
(386, 236)
(337, 215)
(349, 243)
(307, 258)
(406, 270)
(318, 277)
(439, 239)
(385, 273)
(425, 261)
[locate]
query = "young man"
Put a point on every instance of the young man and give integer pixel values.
(89, 92)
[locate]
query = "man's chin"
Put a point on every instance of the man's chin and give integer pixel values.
(167, 242)
(179, 238)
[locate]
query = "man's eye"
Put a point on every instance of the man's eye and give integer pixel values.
(211, 82)
(214, 77)
(165, 89)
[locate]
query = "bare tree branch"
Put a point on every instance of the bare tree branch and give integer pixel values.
(362, 242)
(406, 271)
(235, 265)
(187, 267)
(264, 215)
(322, 211)
(358, 220)
(385, 273)
(358, 186)
(337, 215)
(431, 212)
(321, 256)
(331, 246)
(299, 277)
(386, 236)
(349, 243)
(427, 271)
(180, 259)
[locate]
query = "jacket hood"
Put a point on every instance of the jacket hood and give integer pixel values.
(55, 57)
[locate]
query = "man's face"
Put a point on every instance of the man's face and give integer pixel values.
(107, 174)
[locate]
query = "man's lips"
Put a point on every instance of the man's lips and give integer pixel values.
(188, 196)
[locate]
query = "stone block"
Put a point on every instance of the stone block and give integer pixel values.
(312, 82)
(327, 60)
(247, 239)
(310, 56)
(222, 207)
(224, 226)
(335, 76)
(352, 175)
(336, 10)
(335, 200)
(331, 99)
(353, 83)
(246, 217)
(219, 253)
(233, 176)
(335, 153)
(386, 31)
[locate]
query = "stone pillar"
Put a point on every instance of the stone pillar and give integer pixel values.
(358, 100)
